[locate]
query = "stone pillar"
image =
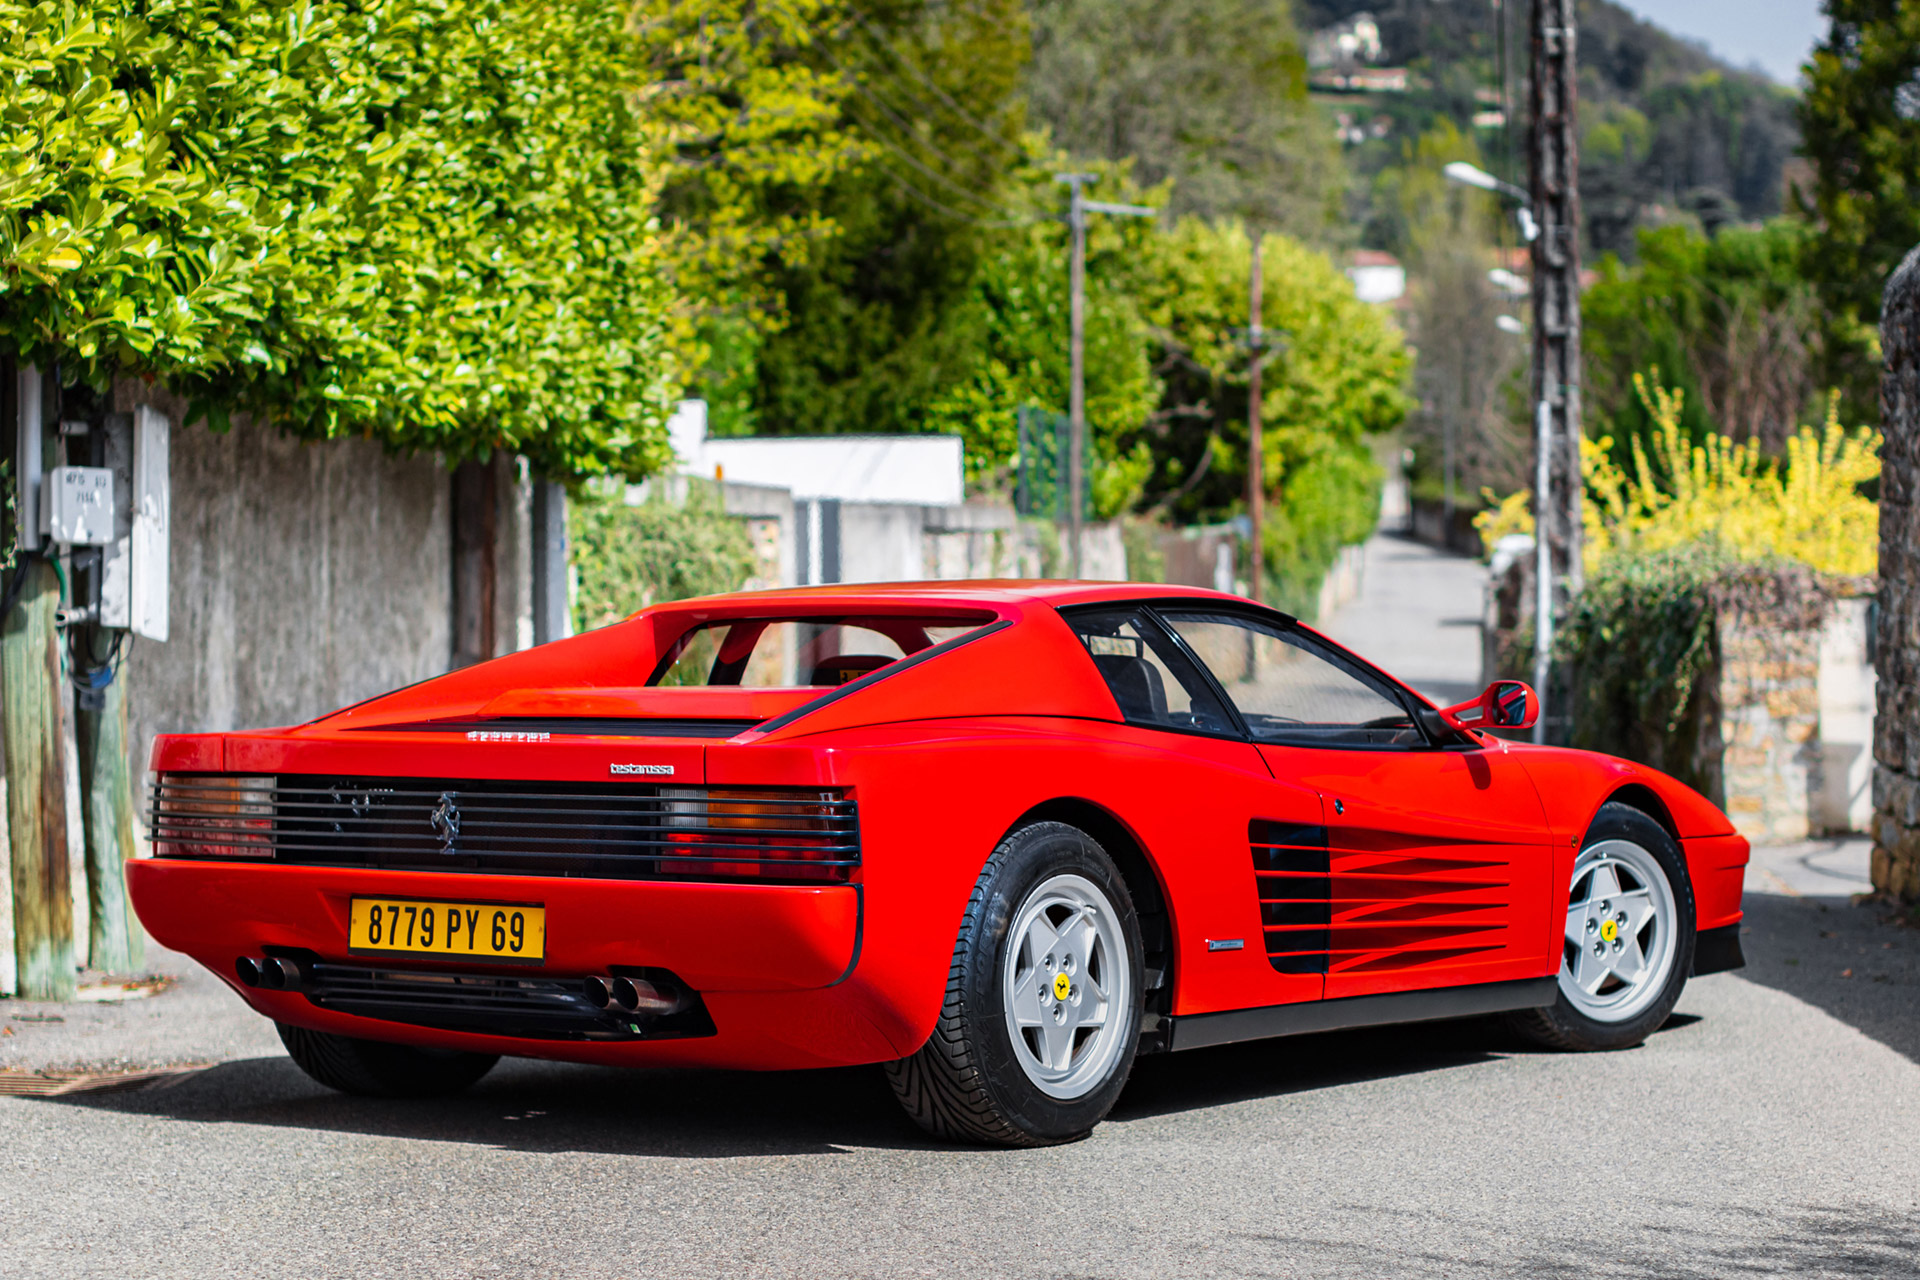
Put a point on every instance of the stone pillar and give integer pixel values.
(1896, 735)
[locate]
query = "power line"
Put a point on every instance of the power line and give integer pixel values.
(907, 129)
(984, 130)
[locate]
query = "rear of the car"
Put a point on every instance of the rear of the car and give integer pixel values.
(608, 853)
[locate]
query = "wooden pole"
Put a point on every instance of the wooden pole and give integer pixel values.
(117, 942)
(1256, 445)
(30, 723)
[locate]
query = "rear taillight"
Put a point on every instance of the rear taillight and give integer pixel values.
(788, 831)
(209, 816)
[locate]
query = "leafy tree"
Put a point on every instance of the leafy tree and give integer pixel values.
(867, 340)
(1339, 380)
(1014, 325)
(1730, 320)
(1861, 119)
(1210, 95)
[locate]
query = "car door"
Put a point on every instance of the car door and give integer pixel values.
(1438, 869)
(1244, 855)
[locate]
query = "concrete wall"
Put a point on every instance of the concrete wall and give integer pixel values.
(304, 577)
(1844, 801)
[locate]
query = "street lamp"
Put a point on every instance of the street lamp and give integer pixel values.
(1469, 175)
(1076, 357)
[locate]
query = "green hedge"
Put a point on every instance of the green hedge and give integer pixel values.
(428, 221)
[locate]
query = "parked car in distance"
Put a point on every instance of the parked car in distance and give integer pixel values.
(1001, 837)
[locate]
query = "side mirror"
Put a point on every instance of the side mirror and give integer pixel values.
(1506, 704)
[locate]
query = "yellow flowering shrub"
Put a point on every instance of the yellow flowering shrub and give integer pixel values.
(1807, 508)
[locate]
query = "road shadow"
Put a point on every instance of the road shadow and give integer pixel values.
(1805, 1240)
(1860, 964)
(548, 1107)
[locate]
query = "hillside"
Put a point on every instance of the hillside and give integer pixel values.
(1667, 129)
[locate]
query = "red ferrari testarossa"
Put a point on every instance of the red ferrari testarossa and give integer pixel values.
(1001, 837)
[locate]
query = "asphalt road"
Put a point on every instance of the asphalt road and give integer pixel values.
(1772, 1128)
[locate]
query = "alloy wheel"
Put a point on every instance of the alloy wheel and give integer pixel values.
(1621, 934)
(1065, 984)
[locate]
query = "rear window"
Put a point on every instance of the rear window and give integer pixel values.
(787, 653)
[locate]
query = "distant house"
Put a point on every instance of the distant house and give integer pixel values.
(1345, 44)
(1377, 277)
(1344, 58)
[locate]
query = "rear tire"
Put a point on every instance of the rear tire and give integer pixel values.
(375, 1069)
(1041, 1020)
(1630, 899)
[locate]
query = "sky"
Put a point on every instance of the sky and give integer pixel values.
(1775, 34)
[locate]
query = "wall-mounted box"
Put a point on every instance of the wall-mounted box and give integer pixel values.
(79, 505)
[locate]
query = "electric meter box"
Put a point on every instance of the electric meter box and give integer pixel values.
(80, 505)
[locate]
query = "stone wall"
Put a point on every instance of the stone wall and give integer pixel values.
(1896, 738)
(1767, 731)
(305, 576)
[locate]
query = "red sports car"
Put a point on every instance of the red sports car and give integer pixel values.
(1001, 837)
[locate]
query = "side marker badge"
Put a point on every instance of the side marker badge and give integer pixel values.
(1226, 944)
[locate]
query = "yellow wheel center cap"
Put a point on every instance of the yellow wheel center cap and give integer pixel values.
(1609, 930)
(1061, 986)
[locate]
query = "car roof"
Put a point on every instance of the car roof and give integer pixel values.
(977, 592)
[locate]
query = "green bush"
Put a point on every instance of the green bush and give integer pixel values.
(428, 221)
(626, 558)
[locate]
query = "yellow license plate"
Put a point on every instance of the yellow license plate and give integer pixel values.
(484, 930)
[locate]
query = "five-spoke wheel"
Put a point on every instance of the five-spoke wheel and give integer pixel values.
(1063, 985)
(1628, 943)
(1043, 1005)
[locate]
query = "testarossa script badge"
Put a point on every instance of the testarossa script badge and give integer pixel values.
(651, 770)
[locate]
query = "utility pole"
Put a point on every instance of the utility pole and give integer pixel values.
(1077, 211)
(1256, 447)
(1555, 171)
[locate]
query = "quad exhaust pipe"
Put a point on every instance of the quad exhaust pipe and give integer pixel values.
(633, 995)
(269, 973)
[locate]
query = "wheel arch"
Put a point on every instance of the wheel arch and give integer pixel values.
(1150, 900)
(1637, 795)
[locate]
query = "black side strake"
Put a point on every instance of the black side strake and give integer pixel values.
(1294, 879)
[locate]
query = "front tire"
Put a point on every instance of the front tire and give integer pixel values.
(1628, 943)
(375, 1069)
(1041, 1021)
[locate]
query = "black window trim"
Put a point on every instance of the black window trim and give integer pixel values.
(1410, 702)
(1141, 609)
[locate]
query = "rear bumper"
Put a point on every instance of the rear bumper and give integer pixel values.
(769, 962)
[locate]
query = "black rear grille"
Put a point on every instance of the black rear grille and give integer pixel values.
(525, 1008)
(617, 831)
(1290, 865)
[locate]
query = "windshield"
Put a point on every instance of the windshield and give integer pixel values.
(786, 653)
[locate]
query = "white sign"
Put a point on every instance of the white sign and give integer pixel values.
(80, 506)
(150, 523)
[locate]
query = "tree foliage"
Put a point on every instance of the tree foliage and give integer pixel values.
(866, 335)
(1860, 116)
(1208, 95)
(429, 221)
(625, 558)
(1730, 320)
(1808, 506)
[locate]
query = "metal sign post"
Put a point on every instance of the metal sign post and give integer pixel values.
(1077, 212)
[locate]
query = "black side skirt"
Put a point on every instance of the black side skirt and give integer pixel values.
(1197, 1031)
(1718, 950)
